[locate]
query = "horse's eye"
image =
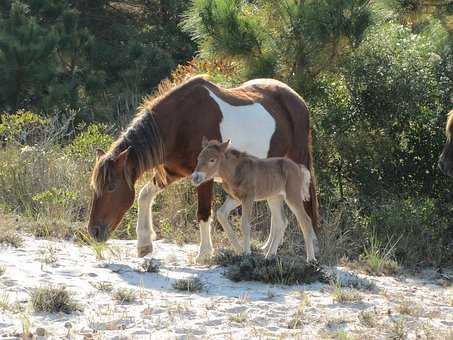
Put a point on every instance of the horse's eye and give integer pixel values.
(111, 187)
(212, 160)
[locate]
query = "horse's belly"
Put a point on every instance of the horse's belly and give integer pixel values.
(250, 127)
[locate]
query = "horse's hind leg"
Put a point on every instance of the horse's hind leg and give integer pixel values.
(278, 226)
(222, 216)
(145, 230)
(296, 204)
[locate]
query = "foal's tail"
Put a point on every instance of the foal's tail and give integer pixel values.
(301, 150)
(306, 179)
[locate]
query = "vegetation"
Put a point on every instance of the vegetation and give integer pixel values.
(193, 284)
(377, 75)
(53, 300)
(124, 295)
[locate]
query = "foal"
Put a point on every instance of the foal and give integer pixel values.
(247, 179)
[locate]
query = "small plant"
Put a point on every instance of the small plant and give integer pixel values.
(378, 258)
(103, 286)
(148, 266)
(49, 255)
(345, 295)
(189, 285)
(124, 295)
(4, 301)
(407, 307)
(2, 270)
(368, 319)
(53, 300)
(298, 318)
(26, 325)
(239, 318)
(398, 330)
(11, 238)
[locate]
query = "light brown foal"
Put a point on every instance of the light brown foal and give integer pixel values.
(248, 179)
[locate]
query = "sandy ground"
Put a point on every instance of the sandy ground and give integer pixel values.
(399, 307)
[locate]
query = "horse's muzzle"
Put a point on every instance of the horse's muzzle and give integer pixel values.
(98, 232)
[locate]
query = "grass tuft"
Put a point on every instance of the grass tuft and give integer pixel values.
(103, 286)
(11, 238)
(53, 300)
(149, 266)
(124, 295)
(368, 319)
(188, 285)
(377, 258)
(348, 295)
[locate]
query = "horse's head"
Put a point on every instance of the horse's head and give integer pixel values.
(446, 157)
(209, 160)
(113, 186)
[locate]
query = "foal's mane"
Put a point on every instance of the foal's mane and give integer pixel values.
(449, 126)
(142, 137)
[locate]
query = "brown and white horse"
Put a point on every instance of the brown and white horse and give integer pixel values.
(446, 158)
(264, 117)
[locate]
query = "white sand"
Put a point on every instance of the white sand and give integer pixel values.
(224, 309)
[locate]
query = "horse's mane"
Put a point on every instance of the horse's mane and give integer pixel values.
(449, 126)
(142, 137)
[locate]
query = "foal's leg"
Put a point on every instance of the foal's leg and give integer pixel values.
(222, 216)
(296, 204)
(145, 230)
(247, 206)
(204, 193)
(278, 225)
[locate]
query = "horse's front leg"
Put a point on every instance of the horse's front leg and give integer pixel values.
(145, 230)
(247, 206)
(204, 192)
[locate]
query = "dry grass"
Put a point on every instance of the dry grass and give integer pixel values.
(397, 330)
(124, 295)
(11, 238)
(369, 319)
(239, 318)
(345, 295)
(407, 307)
(53, 300)
(149, 266)
(48, 255)
(2, 270)
(103, 286)
(188, 285)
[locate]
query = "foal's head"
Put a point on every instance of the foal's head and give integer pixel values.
(209, 160)
(446, 158)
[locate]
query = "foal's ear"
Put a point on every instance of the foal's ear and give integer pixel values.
(99, 153)
(223, 146)
(204, 142)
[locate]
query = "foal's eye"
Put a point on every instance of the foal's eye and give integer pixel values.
(111, 187)
(212, 160)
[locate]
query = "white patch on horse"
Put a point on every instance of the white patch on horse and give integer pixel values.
(250, 127)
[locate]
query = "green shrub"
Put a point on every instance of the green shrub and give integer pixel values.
(188, 285)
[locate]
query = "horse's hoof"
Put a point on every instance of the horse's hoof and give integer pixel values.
(144, 250)
(203, 258)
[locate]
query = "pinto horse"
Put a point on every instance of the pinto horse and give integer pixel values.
(264, 117)
(446, 158)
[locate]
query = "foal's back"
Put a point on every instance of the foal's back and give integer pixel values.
(265, 177)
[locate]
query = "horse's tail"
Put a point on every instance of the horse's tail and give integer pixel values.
(301, 150)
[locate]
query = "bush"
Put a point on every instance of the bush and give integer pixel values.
(53, 300)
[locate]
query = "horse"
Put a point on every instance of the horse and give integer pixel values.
(248, 179)
(263, 116)
(446, 158)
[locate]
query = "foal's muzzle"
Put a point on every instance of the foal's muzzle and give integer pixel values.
(198, 177)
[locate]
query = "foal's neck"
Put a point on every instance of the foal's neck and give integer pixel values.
(227, 168)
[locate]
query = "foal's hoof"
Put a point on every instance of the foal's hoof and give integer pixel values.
(144, 250)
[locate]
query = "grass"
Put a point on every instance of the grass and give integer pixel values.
(11, 238)
(410, 308)
(239, 318)
(124, 295)
(348, 295)
(2, 270)
(49, 255)
(53, 300)
(377, 258)
(299, 317)
(149, 266)
(368, 319)
(188, 285)
(398, 330)
(103, 286)
(277, 269)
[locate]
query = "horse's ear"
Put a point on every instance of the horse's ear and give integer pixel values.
(224, 146)
(204, 142)
(99, 153)
(121, 159)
